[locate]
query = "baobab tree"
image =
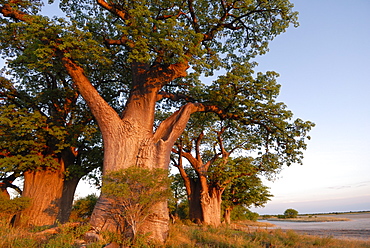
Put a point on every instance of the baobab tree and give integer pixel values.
(48, 138)
(153, 44)
(221, 150)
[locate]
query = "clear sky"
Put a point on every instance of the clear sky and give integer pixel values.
(324, 68)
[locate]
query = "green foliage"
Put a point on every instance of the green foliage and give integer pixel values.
(246, 191)
(178, 203)
(290, 213)
(134, 191)
(83, 208)
(241, 213)
(23, 136)
(207, 34)
(168, 32)
(41, 118)
(9, 207)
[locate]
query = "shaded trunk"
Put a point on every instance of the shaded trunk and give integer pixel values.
(69, 189)
(44, 187)
(195, 208)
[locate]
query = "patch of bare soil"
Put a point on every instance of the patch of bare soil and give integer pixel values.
(310, 219)
(250, 226)
(338, 234)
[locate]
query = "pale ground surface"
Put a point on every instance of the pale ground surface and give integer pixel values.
(358, 227)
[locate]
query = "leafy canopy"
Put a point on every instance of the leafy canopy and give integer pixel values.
(207, 34)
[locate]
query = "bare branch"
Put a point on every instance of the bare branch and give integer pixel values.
(113, 9)
(8, 11)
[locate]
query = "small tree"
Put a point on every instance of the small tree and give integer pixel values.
(134, 191)
(290, 213)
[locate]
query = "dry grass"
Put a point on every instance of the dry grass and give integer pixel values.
(241, 234)
(254, 236)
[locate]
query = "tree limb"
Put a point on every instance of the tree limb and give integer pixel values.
(114, 10)
(9, 11)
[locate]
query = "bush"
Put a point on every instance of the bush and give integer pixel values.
(290, 213)
(11, 207)
(241, 213)
(83, 207)
(133, 192)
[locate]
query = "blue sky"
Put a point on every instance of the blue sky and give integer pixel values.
(324, 68)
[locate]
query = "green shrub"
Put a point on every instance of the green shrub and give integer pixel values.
(241, 213)
(83, 207)
(280, 216)
(133, 192)
(10, 207)
(290, 213)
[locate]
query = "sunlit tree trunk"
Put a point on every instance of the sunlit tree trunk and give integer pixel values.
(130, 140)
(44, 187)
(51, 193)
(210, 201)
(204, 201)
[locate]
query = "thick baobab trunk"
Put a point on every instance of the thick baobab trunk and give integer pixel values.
(51, 194)
(44, 188)
(204, 203)
(129, 140)
(211, 207)
(133, 150)
(205, 208)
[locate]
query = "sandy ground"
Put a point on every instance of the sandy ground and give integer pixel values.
(357, 228)
(338, 234)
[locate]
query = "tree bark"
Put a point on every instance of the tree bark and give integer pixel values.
(69, 189)
(195, 208)
(50, 192)
(211, 207)
(204, 203)
(227, 215)
(130, 141)
(44, 187)
(204, 200)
